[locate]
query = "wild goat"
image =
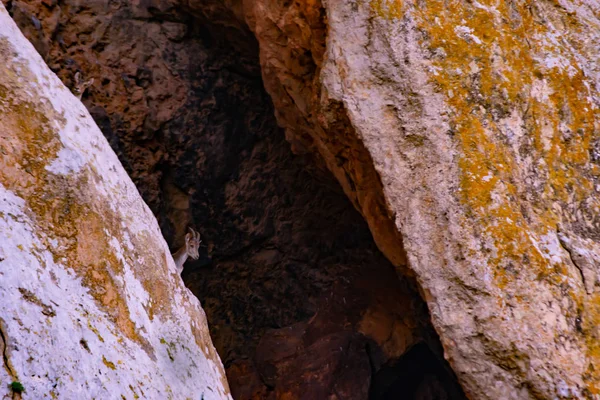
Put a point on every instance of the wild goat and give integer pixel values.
(80, 85)
(190, 248)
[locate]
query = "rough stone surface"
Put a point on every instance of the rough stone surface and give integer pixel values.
(283, 244)
(91, 304)
(476, 124)
(465, 132)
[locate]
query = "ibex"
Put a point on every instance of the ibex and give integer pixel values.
(190, 248)
(81, 86)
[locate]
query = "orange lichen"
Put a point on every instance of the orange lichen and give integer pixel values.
(490, 60)
(487, 66)
(109, 364)
(389, 9)
(152, 276)
(70, 221)
(135, 395)
(93, 329)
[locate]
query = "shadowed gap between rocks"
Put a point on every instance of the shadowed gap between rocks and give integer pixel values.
(299, 300)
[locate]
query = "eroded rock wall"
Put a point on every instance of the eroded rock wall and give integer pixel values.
(476, 124)
(178, 92)
(91, 303)
(464, 132)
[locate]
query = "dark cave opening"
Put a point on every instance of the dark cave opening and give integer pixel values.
(418, 374)
(300, 301)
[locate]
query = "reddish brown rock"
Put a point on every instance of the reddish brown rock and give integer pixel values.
(333, 366)
(245, 381)
(362, 327)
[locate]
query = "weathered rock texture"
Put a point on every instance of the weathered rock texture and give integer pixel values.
(91, 305)
(472, 128)
(466, 133)
(289, 273)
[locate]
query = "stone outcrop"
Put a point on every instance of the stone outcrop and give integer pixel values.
(91, 304)
(284, 246)
(471, 129)
(465, 133)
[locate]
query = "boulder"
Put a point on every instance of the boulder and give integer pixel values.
(91, 305)
(467, 133)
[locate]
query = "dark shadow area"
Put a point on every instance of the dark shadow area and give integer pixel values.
(418, 375)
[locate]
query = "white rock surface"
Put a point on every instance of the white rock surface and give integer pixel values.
(91, 306)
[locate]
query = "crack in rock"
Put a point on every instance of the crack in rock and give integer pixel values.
(4, 349)
(6, 361)
(32, 298)
(580, 260)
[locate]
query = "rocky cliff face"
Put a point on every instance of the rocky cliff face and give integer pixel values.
(465, 133)
(290, 273)
(472, 129)
(91, 304)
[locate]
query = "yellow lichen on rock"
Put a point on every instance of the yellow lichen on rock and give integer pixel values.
(499, 63)
(61, 207)
(485, 63)
(392, 9)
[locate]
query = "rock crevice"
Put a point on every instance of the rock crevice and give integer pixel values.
(5, 351)
(464, 137)
(182, 104)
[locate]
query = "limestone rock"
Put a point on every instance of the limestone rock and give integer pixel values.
(281, 238)
(91, 305)
(467, 134)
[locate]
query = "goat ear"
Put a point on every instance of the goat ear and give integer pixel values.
(188, 237)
